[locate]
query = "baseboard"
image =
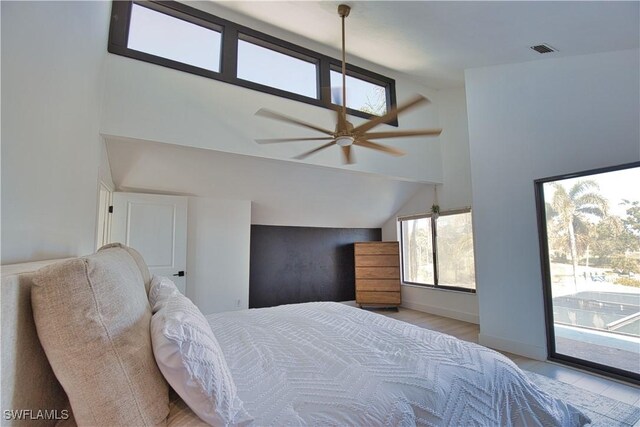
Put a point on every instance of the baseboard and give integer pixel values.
(444, 312)
(515, 347)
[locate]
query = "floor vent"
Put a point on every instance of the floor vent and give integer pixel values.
(543, 48)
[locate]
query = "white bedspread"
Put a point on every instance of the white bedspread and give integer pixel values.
(327, 364)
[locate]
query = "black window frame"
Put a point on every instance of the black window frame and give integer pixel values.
(545, 267)
(231, 33)
(434, 245)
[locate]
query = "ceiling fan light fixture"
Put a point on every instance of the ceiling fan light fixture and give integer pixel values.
(344, 141)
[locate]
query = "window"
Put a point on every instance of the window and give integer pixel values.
(178, 36)
(589, 227)
(361, 95)
(439, 251)
(165, 36)
(266, 66)
(417, 251)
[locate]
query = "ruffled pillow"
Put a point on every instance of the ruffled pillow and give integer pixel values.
(160, 289)
(192, 362)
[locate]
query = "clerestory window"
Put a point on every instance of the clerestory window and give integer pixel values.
(178, 36)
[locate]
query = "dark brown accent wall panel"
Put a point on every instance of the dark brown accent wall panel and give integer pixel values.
(302, 264)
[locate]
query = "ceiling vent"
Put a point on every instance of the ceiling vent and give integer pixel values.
(543, 48)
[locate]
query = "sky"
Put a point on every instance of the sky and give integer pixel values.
(615, 186)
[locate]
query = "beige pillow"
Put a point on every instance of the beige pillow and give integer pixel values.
(142, 265)
(93, 317)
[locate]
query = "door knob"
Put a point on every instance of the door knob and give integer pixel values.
(179, 274)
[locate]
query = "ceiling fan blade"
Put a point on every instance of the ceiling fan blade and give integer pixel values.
(275, 140)
(403, 133)
(392, 114)
(346, 153)
(281, 117)
(370, 144)
(315, 150)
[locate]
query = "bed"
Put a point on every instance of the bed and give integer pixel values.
(314, 364)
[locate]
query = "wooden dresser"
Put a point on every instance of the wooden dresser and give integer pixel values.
(377, 273)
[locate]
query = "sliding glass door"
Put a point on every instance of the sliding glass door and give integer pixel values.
(590, 246)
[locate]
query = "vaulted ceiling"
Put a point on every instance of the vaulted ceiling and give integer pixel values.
(281, 192)
(435, 41)
(209, 151)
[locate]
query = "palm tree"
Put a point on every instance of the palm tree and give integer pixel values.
(571, 209)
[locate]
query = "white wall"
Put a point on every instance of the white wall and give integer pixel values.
(528, 121)
(218, 238)
(52, 53)
(455, 190)
(154, 103)
(104, 170)
(454, 193)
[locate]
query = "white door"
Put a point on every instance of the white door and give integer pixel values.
(156, 226)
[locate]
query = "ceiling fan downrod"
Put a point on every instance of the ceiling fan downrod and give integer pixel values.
(343, 11)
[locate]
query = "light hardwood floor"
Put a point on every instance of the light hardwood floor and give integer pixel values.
(469, 332)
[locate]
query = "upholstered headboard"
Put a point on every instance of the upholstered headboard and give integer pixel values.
(28, 383)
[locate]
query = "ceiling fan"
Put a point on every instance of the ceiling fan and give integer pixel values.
(346, 134)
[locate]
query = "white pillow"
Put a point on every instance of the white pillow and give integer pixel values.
(160, 289)
(192, 362)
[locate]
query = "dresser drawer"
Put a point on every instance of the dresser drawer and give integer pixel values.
(378, 261)
(386, 285)
(371, 297)
(376, 248)
(377, 272)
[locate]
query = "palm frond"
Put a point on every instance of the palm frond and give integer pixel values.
(592, 203)
(581, 187)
